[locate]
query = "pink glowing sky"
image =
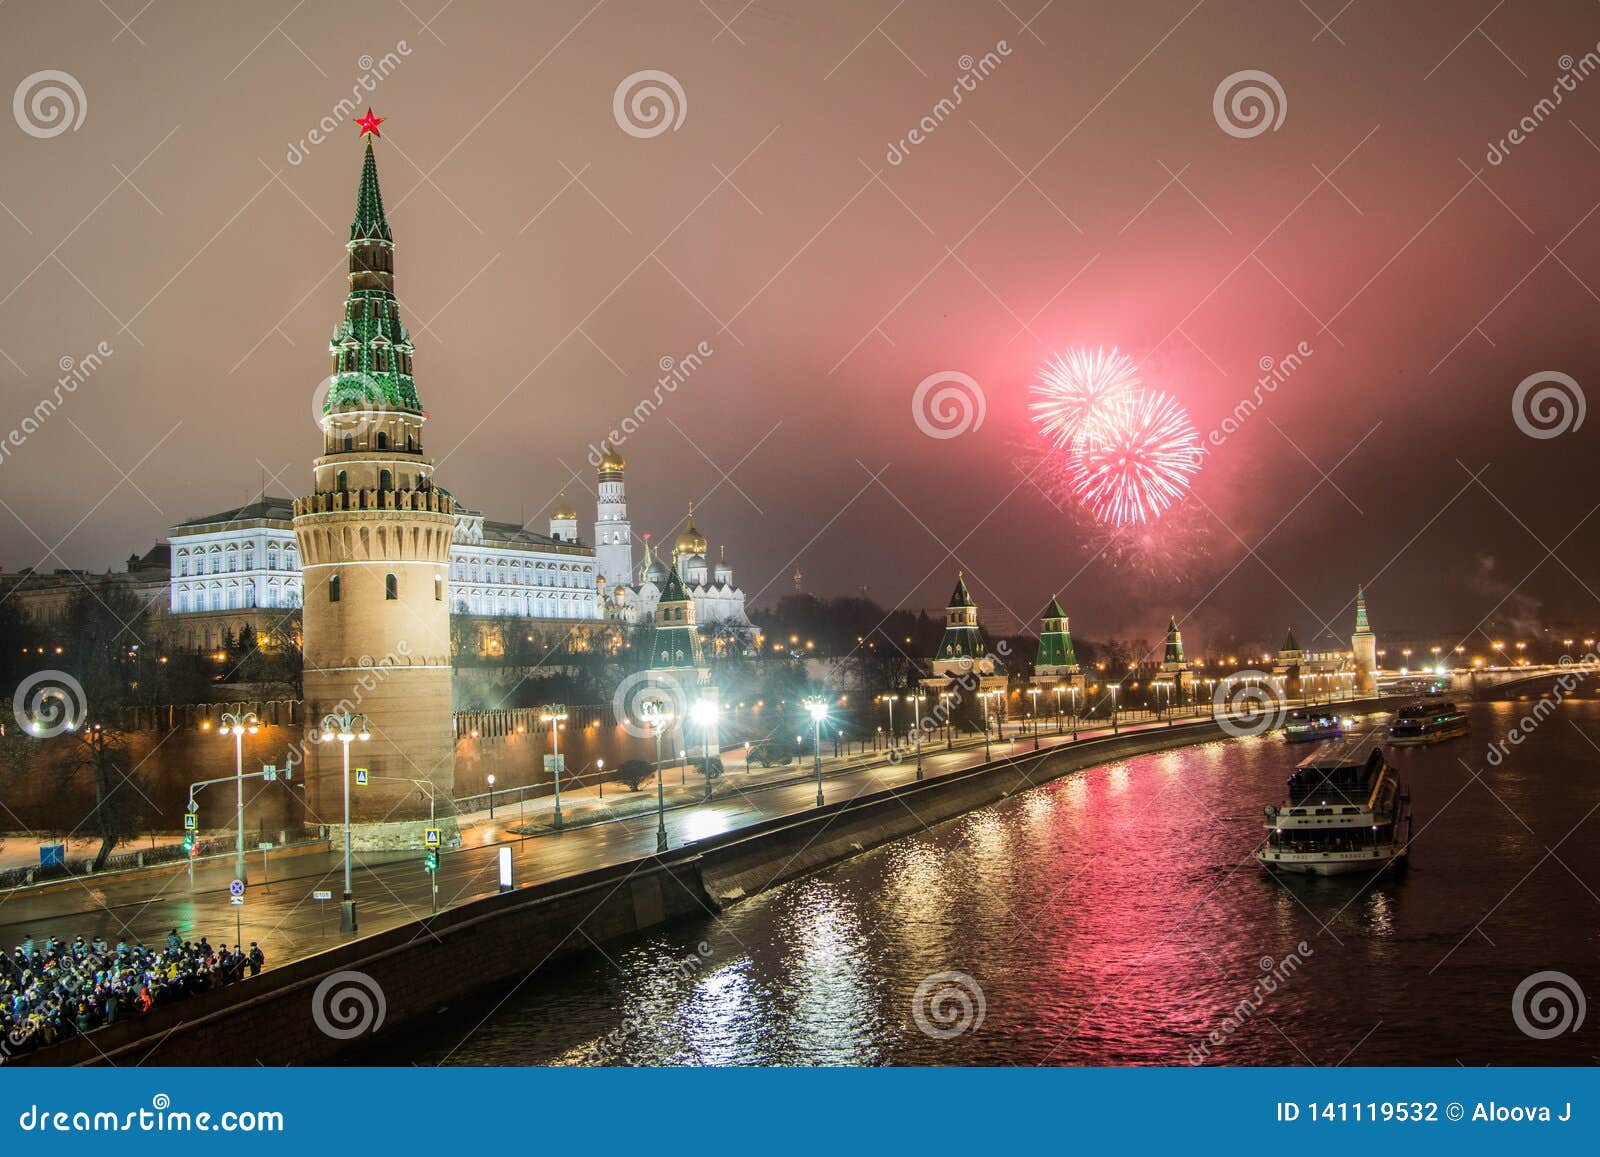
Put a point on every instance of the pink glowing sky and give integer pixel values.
(548, 260)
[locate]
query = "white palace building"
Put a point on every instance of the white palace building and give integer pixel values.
(230, 567)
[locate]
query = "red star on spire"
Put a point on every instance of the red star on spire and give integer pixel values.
(369, 124)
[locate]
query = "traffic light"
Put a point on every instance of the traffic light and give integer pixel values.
(188, 843)
(431, 861)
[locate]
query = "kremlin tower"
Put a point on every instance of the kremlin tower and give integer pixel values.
(374, 537)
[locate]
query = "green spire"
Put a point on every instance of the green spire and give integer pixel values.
(1361, 612)
(677, 641)
(1290, 643)
(371, 347)
(1055, 644)
(370, 223)
(963, 638)
(1174, 653)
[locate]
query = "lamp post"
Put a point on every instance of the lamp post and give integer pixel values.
(237, 725)
(916, 723)
(944, 703)
(555, 716)
(658, 721)
(346, 728)
(819, 712)
(491, 795)
(1074, 691)
(983, 697)
(704, 714)
(889, 699)
(1033, 693)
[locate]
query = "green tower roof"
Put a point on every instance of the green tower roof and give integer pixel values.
(1290, 643)
(1055, 643)
(1174, 651)
(959, 597)
(370, 221)
(1361, 611)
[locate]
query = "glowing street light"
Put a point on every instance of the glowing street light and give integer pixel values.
(819, 711)
(346, 728)
(658, 719)
(704, 714)
(236, 726)
(555, 716)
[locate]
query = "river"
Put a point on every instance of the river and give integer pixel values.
(1116, 917)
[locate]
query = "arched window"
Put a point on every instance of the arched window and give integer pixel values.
(391, 587)
(385, 479)
(333, 589)
(349, 442)
(438, 589)
(383, 440)
(340, 483)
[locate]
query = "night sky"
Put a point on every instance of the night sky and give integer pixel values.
(1084, 193)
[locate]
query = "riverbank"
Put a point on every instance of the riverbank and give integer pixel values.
(290, 1014)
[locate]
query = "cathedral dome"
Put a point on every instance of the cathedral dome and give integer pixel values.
(655, 573)
(610, 461)
(563, 511)
(691, 541)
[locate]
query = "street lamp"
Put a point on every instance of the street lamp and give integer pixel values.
(659, 720)
(704, 714)
(944, 705)
(1033, 693)
(819, 712)
(889, 699)
(555, 716)
(491, 795)
(984, 697)
(916, 706)
(237, 725)
(345, 727)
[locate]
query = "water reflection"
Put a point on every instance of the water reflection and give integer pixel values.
(1117, 917)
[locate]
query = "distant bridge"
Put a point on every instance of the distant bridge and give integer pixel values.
(1505, 678)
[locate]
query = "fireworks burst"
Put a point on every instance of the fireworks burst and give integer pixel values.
(1078, 390)
(1137, 460)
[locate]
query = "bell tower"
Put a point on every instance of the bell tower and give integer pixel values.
(374, 537)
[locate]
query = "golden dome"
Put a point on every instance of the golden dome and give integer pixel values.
(610, 461)
(691, 541)
(564, 512)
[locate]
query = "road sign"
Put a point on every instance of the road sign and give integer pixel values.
(194, 804)
(264, 846)
(236, 888)
(555, 763)
(361, 777)
(190, 822)
(321, 895)
(236, 901)
(430, 838)
(269, 772)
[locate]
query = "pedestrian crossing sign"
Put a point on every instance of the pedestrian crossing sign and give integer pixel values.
(190, 821)
(430, 838)
(361, 777)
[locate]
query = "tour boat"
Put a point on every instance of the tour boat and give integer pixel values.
(1346, 812)
(1427, 721)
(1311, 725)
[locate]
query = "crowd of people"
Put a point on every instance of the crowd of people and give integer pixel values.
(54, 989)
